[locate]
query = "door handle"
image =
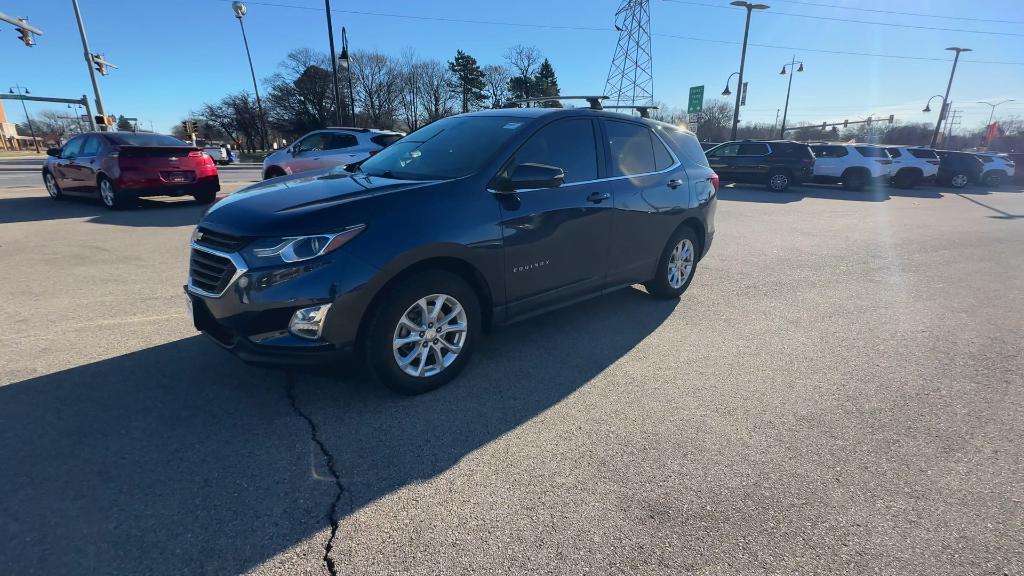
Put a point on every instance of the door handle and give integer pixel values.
(598, 197)
(675, 183)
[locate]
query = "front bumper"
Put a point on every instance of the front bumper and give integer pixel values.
(250, 318)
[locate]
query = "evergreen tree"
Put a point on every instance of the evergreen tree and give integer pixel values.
(123, 125)
(468, 82)
(545, 83)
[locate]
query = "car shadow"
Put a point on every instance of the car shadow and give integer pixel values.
(752, 193)
(149, 212)
(180, 459)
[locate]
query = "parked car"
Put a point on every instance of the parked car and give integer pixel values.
(220, 154)
(121, 167)
(912, 165)
(776, 163)
(326, 149)
(996, 169)
(852, 165)
(473, 220)
(958, 169)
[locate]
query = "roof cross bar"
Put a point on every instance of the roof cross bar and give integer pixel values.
(594, 101)
(643, 110)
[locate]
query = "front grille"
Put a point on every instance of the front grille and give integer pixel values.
(209, 272)
(219, 240)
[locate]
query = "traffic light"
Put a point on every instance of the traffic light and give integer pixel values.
(26, 37)
(869, 121)
(846, 123)
(101, 64)
(188, 126)
(891, 116)
(101, 120)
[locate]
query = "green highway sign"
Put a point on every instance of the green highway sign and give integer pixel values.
(696, 103)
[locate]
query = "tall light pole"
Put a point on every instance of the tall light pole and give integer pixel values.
(240, 10)
(945, 99)
(785, 111)
(743, 59)
(334, 64)
(993, 112)
(89, 64)
(21, 90)
(347, 65)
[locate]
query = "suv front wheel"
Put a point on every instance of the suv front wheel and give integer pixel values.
(423, 332)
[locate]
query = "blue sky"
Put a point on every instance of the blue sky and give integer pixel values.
(175, 55)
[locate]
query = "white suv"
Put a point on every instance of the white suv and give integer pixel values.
(912, 165)
(997, 168)
(854, 165)
(328, 148)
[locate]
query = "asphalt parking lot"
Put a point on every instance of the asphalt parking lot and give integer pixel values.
(838, 392)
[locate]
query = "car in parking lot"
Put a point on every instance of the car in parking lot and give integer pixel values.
(327, 148)
(996, 169)
(777, 164)
(958, 169)
(474, 220)
(120, 167)
(912, 165)
(852, 165)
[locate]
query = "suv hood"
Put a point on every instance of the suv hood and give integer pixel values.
(307, 203)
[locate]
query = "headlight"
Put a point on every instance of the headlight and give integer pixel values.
(298, 248)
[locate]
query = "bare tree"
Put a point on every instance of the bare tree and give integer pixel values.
(377, 81)
(409, 109)
(524, 61)
(496, 77)
(435, 92)
(715, 121)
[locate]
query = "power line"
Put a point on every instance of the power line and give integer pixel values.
(868, 22)
(919, 14)
(605, 29)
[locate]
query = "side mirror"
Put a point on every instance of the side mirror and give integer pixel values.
(55, 152)
(526, 176)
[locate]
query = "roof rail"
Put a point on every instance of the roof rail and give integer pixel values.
(594, 101)
(352, 128)
(643, 110)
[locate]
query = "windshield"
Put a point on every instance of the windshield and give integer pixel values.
(449, 148)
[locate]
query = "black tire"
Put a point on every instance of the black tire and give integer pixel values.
(116, 200)
(994, 178)
(384, 322)
(205, 197)
(779, 180)
(273, 172)
(905, 179)
(959, 180)
(52, 188)
(855, 180)
(660, 286)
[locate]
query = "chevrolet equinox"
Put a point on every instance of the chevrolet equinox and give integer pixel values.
(473, 220)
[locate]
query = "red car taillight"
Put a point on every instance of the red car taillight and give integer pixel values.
(715, 181)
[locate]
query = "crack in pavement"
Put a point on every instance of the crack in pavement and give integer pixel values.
(332, 516)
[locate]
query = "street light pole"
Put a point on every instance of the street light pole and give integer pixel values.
(31, 129)
(993, 112)
(346, 63)
(785, 111)
(240, 10)
(89, 64)
(334, 65)
(945, 99)
(743, 59)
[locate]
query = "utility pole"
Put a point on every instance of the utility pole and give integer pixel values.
(776, 123)
(945, 99)
(89, 64)
(743, 59)
(334, 65)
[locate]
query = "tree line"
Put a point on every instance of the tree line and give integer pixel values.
(401, 92)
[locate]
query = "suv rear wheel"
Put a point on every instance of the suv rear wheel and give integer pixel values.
(959, 180)
(855, 179)
(676, 266)
(423, 332)
(906, 179)
(273, 172)
(994, 178)
(779, 180)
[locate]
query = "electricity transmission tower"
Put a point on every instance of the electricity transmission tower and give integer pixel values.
(630, 79)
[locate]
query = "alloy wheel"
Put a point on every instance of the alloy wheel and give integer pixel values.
(680, 263)
(779, 182)
(959, 181)
(107, 192)
(51, 185)
(430, 335)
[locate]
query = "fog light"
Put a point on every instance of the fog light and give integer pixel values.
(309, 322)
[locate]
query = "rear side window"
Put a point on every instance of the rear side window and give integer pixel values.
(339, 140)
(923, 153)
(829, 151)
(632, 152)
(871, 152)
(894, 152)
(662, 158)
(753, 149)
(567, 144)
(385, 140)
(687, 147)
(986, 159)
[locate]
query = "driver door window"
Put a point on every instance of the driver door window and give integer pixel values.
(311, 143)
(566, 144)
(71, 149)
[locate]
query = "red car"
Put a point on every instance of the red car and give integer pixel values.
(123, 166)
